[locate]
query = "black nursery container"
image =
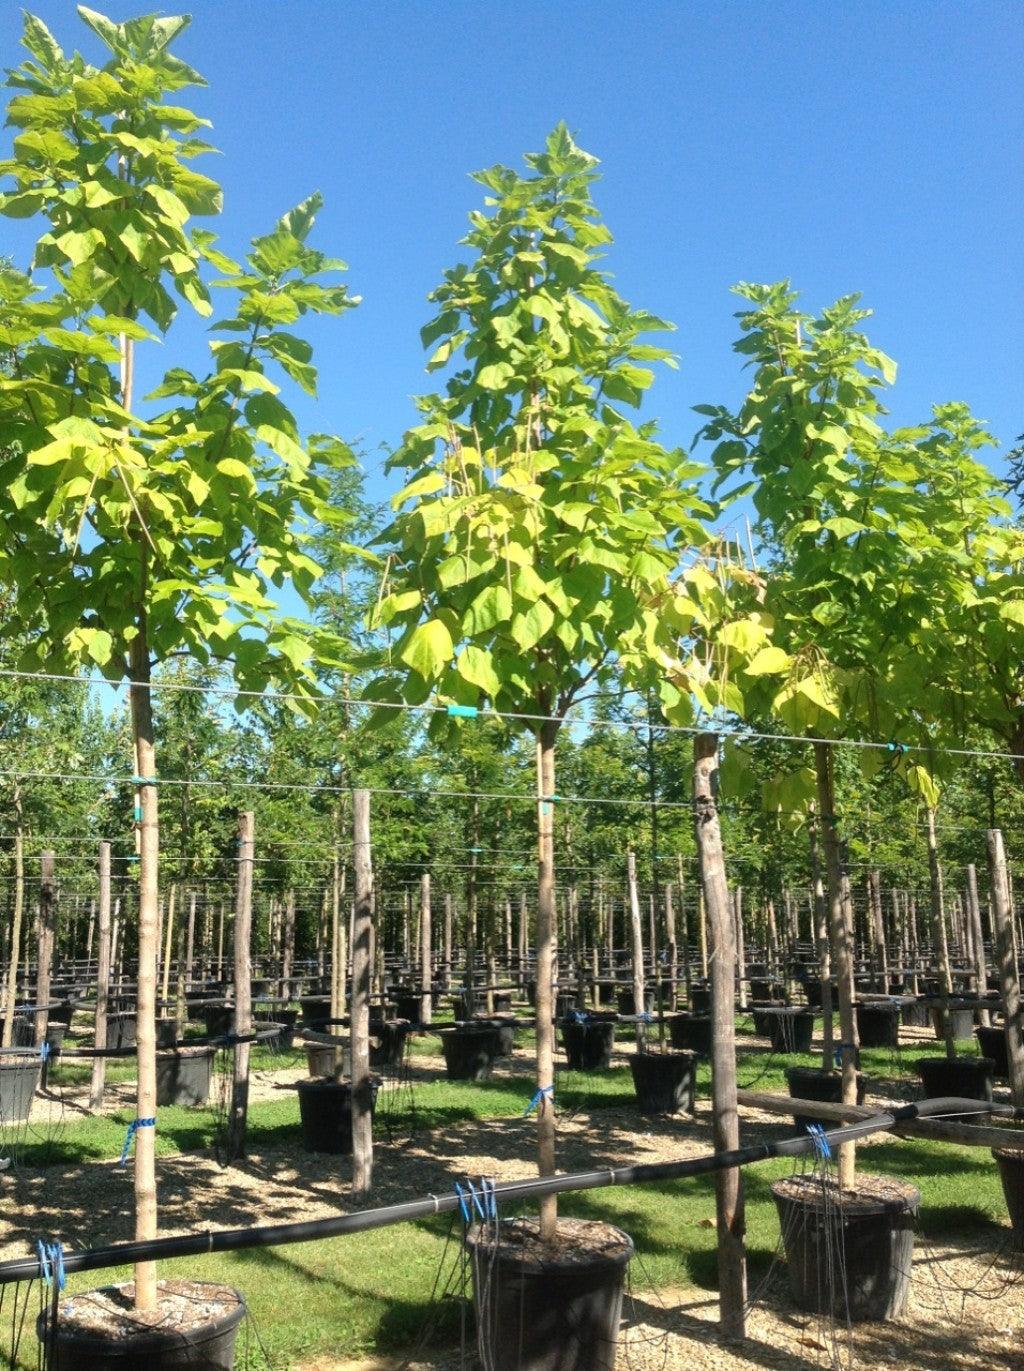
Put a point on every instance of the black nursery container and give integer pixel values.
(588, 1043)
(992, 1042)
(968, 1078)
(325, 1109)
(691, 1032)
(387, 1043)
(791, 1030)
(210, 1347)
(810, 1083)
(184, 1075)
(469, 1052)
(878, 1023)
(867, 1238)
(121, 1029)
(665, 1082)
(19, 1079)
(961, 1020)
(1010, 1161)
(559, 1313)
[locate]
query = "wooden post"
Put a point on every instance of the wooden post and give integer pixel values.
(190, 947)
(426, 951)
(878, 928)
(741, 956)
(99, 1065)
(446, 955)
(239, 1111)
(362, 1121)
(1006, 961)
(820, 925)
(16, 922)
(637, 932)
(978, 939)
(940, 947)
(45, 943)
(172, 900)
(673, 949)
(841, 931)
(288, 945)
(545, 970)
(732, 1262)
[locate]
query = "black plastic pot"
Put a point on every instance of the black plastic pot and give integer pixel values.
(328, 1059)
(870, 1241)
(914, 1014)
(962, 1021)
(1010, 1162)
(878, 1024)
(691, 1032)
(217, 1019)
(183, 1076)
(121, 1029)
(24, 1033)
(968, 1078)
(992, 1042)
(408, 1006)
(285, 1020)
(763, 988)
(762, 1019)
(565, 1003)
(503, 1002)
(316, 1008)
(588, 1043)
(166, 1032)
(626, 1001)
(469, 1053)
(325, 1108)
(791, 1030)
(700, 999)
(208, 1348)
(19, 1079)
(561, 1313)
(387, 1043)
(505, 1029)
(812, 989)
(665, 1082)
(605, 992)
(810, 1083)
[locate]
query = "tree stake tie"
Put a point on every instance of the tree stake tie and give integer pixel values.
(844, 1047)
(133, 1128)
(538, 1099)
(51, 1263)
(547, 802)
(144, 780)
(462, 711)
(821, 1143)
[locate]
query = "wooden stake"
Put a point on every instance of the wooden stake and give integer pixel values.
(239, 1111)
(978, 939)
(362, 1119)
(1006, 961)
(16, 922)
(637, 932)
(426, 950)
(732, 1263)
(545, 972)
(99, 1065)
(45, 943)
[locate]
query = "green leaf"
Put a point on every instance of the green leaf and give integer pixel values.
(496, 376)
(429, 649)
(477, 667)
(491, 607)
(769, 661)
(529, 628)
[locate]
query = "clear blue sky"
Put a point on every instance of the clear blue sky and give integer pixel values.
(874, 146)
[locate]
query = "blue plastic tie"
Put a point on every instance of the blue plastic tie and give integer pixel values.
(645, 1017)
(538, 1099)
(44, 1050)
(43, 1253)
(145, 780)
(897, 748)
(852, 1047)
(490, 1196)
(821, 1143)
(462, 711)
(133, 1128)
(57, 1264)
(464, 1207)
(476, 1200)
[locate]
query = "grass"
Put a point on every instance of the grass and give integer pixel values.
(372, 1291)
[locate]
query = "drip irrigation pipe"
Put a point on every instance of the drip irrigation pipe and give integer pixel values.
(274, 1235)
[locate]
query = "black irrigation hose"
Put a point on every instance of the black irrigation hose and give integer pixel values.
(240, 1239)
(223, 1040)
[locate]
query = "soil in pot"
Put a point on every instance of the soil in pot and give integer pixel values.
(588, 1043)
(19, 1080)
(968, 1078)
(183, 1076)
(992, 1042)
(469, 1053)
(325, 1108)
(878, 1024)
(691, 1032)
(194, 1325)
(1010, 1161)
(550, 1307)
(791, 1030)
(665, 1082)
(867, 1235)
(810, 1083)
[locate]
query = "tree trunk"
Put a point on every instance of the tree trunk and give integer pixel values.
(239, 1113)
(545, 969)
(99, 1066)
(732, 1262)
(45, 943)
(1006, 962)
(673, 949)
(637, 932)
(362, 1121)
(821, 939)
(940, 947)
(172, 900)
(426, 951)
(16, 922)
(149, 914)
(842, 947)
(978, 940)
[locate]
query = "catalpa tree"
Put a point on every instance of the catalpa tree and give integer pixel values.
(132, 535)
(539, 536)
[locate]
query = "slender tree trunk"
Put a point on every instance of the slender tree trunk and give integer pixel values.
(842, 947)
(546, 739)
(673, 950)
(426, 951)
(637, 931)
(821, 938)
(362, 1121)
(741, 955)
(99, 1065)
(16, 922)
(190, 948)
(149, 914)
(732, 1262)
(239, 1112)
(1006, 961)
(940, 947)
(45, 944)
(978, 939)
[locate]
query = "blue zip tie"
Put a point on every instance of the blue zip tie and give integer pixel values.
(138, 814)
(462, 711)
(133, 1128)
(57, 1264)
(476, 1200)
(538, 1099)
(44, 1050)
(645, 1017)
(897, 748)
(821, 1144)
(490, 1197)
(45, 1274)
(145, 780)
(852, 1047)
(462, 1203)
